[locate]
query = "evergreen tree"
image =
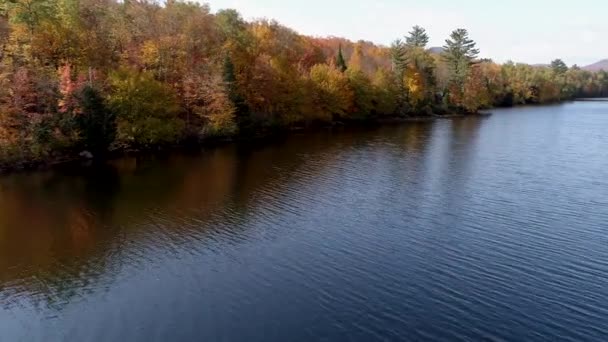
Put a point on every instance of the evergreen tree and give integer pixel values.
(559, 67)
(422, 66)
(96, 122)
(340, 62)
(229, 78)
(398, 57)
(241, 111)
(418, 38)
(399, 64)
(460, 53)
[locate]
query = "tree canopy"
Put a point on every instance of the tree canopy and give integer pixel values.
(114, 75)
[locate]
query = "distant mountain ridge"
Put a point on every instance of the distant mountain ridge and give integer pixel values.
(601, 65)
(436, 49)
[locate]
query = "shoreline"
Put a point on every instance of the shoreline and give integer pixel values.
(65, 160)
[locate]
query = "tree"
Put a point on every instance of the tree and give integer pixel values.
(386, 92)
(420, 75)
(460, 52)
(96, 122)
(332, 94)
(146, 110)
(559, 67)
(418, 38)
(476, 94)
(356, 59)
(206, 97)
(231, 24)
(29, 12)
(399, 62)
(340, 62)
(67, 89)
(363, 93)
(101, 74)
(398, 57)
(241, 111)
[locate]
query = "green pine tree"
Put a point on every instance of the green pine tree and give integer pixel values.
(229, 78)
(340, 62)
(398, 57)
(460, 53)
(418, 38)
(559, 67)
(96, 123)
(399, 64)
(242, 116)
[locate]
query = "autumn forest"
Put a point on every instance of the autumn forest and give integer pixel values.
(107, 75)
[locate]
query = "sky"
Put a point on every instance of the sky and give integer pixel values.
(530, 31)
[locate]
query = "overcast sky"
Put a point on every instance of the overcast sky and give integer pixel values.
(531, 31)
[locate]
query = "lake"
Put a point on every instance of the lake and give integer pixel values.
(479, 228)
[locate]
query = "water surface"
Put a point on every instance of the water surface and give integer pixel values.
(482, 228)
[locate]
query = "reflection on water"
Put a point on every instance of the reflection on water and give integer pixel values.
(74, 224)
(475, 228)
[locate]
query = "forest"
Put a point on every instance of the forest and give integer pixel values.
(106, 75)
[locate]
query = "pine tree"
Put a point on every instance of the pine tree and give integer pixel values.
(559, 67)
(460, 53)
(423, 65)
(241, 110)
(340, 62)
(399, 64)
(96, 122)
(398, 57)
(418, 38)
(229, 77)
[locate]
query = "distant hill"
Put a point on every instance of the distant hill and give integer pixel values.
(601, 65)
(437, 50)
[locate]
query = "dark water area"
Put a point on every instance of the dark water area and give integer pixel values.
(480, 228)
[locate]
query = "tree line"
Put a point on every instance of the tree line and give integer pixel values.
(102, 75)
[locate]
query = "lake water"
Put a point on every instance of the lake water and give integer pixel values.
(481, 228)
